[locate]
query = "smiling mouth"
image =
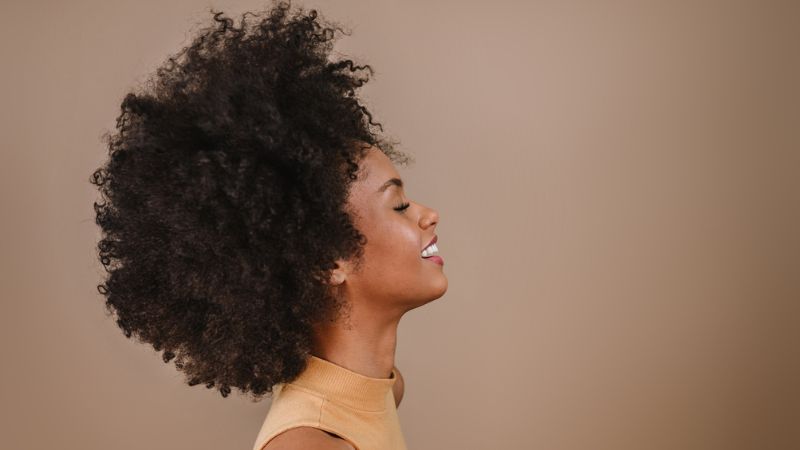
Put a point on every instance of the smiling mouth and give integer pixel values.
(430, 250)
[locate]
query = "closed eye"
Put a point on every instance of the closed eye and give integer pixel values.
(402, 207)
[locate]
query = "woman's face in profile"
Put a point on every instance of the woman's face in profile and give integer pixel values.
(393, 271)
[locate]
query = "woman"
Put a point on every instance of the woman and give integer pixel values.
(256, 231)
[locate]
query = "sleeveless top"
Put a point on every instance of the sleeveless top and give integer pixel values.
(357, 408)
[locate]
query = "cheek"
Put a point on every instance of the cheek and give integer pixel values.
(395, 243)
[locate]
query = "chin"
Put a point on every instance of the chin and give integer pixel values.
(440, 290)
(434, 289)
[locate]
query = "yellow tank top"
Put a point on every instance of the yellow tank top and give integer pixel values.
(357, 408)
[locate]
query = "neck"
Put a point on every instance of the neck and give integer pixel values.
(364, 343)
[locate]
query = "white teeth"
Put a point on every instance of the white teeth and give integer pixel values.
(430, 251)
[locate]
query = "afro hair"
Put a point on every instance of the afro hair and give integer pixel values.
(223, 198)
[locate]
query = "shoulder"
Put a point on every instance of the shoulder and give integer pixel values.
(307, 438)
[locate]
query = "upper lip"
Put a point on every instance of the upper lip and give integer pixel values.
(433, 241)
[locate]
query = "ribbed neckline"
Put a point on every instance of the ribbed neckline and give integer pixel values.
(339, 384)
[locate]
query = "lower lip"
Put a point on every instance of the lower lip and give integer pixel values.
(437, 259)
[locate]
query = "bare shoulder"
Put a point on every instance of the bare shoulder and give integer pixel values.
(307, 438)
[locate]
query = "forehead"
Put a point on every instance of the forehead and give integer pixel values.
(377, 168)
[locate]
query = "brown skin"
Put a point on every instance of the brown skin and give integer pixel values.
(305, 438)
(392, 280)
(398, 388)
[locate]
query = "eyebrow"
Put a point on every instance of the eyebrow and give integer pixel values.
(392, 182)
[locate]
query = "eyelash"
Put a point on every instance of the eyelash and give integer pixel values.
(402, 207)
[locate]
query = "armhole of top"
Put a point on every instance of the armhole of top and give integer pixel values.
(293, 426)
(352, 444)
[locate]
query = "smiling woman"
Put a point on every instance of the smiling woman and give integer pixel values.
(351, 388)
(255, 230)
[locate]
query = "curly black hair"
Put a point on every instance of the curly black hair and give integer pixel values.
(223, 204)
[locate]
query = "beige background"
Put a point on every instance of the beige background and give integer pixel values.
(619, 191)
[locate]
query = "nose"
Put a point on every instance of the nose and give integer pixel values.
(428, 218)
